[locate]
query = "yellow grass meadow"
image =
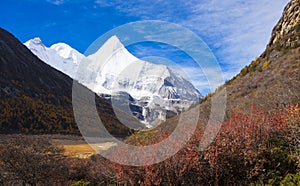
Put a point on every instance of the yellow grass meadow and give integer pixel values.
(85, 150)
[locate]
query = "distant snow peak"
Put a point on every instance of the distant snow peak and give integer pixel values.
(67, 52)
(35, 43)
(37, 40)
(155, 91)
(60, 56)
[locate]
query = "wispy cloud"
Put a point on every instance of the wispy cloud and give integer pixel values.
(56, 2)
(236, 31)
(50, 24)
(105, 3)
(195, 75)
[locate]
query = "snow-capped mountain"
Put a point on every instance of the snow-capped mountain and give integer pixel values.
(60, 56)
(156, 90)
(118, 70)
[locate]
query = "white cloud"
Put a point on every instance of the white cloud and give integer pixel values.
(239, 30)
(105, 3)
(56, 2)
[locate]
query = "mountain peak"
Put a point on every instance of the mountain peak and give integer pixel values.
(114, 43)
(114, 39)
(113, 51)
(60, 44)
(34, 41)
(111, 46)
(37, 40)
(67, 52)
(61, 56)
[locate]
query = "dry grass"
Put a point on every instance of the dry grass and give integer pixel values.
(82, 150)
(85, 150)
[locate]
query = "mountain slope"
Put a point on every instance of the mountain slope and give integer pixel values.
(36, 98)
(272, 80)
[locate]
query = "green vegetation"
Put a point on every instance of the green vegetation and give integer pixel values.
(291, 180)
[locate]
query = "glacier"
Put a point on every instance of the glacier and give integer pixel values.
(150, 92)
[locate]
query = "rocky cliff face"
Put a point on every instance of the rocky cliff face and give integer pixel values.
(284, 32)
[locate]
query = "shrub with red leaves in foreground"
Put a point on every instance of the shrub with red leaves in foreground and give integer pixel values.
(258, 147)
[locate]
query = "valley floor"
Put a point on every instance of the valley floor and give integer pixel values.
(74, 146)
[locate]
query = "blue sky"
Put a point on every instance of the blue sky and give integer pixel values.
(236, 31)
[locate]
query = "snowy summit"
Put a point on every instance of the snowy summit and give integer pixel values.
(111, 70)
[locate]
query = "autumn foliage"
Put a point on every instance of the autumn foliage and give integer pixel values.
(256, 148)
